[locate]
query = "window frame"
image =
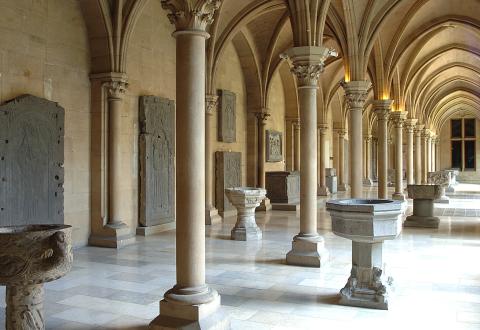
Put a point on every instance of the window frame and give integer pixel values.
(464, 139)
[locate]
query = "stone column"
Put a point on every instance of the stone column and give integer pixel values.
(429, 153)
(296, 148)
(367, 180)
(191, 303)
(418, 154)
(409, 128)
(115, 232)
(261, 122)
(382, 110)
(211, 212)
(398, 118)
(356, 93)
(425, 136)
(342, 186)
(308, 247)
(322, 146)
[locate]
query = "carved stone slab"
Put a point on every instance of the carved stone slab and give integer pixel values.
(228, 174)
(31, 161)
(283, 187)
(227, 117)
(274, 146)
(157, 161)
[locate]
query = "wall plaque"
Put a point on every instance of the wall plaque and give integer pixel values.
(31, 162)
(157, 161)
(227, 117)
(274, 146)
(228, 174)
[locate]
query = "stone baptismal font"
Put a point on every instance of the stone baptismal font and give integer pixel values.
(246, 199)
(30, 256)
(367, 223)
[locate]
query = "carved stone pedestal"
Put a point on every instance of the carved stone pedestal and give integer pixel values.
(423, 197)
(211, 216)
(342, 187)
(307, 251)
(443, 179)
(367, 223)
(246, 200)
(29, 257)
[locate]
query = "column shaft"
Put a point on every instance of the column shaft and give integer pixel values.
(190, 233)
(418, 154)
(322, 146)
(356, 151)
(398, 119)
(410, 159)
(296, 148)
(261, 118)
(308, 163)
(424, 158)
(382, 154)
(341, 160)
(115, 175)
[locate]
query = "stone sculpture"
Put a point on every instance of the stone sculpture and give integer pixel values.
(274, 146)
(283, 186)
(367, 223)
(423, 196)
(331, 180)
(227, 117)
(443, 179)
(453, 180)
(29, 257)
(246, 199)
(31, 156)
(157, 162)
(228, 174)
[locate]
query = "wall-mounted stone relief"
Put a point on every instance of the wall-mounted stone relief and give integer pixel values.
(227, 117)
(31, 161)
(157, 160)
(228, 174)
(274, 146)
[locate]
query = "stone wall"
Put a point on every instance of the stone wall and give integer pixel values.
(44, 51)
(229, 76)
(276, 104)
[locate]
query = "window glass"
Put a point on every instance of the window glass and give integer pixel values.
(469, 126)
(457, 154)
(456, 128)
(470, 154)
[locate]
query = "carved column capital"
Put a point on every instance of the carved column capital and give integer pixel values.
(191, 15)
(307, 63)
(382, 109)
(418, 130)
(410, 125)
(426, 133)
(341, 133)
(356, 93)
(211, 103)
(323, 128)
(367, 138)
(116, 89)
(262, 117)
(398, 118)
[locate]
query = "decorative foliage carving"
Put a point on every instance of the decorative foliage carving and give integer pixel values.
(116, 88)
(307, 74)
(191, 14)
(211, 103)
(356, 93)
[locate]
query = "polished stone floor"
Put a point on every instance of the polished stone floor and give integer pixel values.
(436, 276)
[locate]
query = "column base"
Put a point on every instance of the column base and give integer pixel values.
(399, 197)
(211, 216)
(265, 206)
(421, 222)
(373, 294)
(368, 182)
(323, 191)
(307, 251)
(152, 230)
(175, 315)
(342, 187)
(115, 236)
